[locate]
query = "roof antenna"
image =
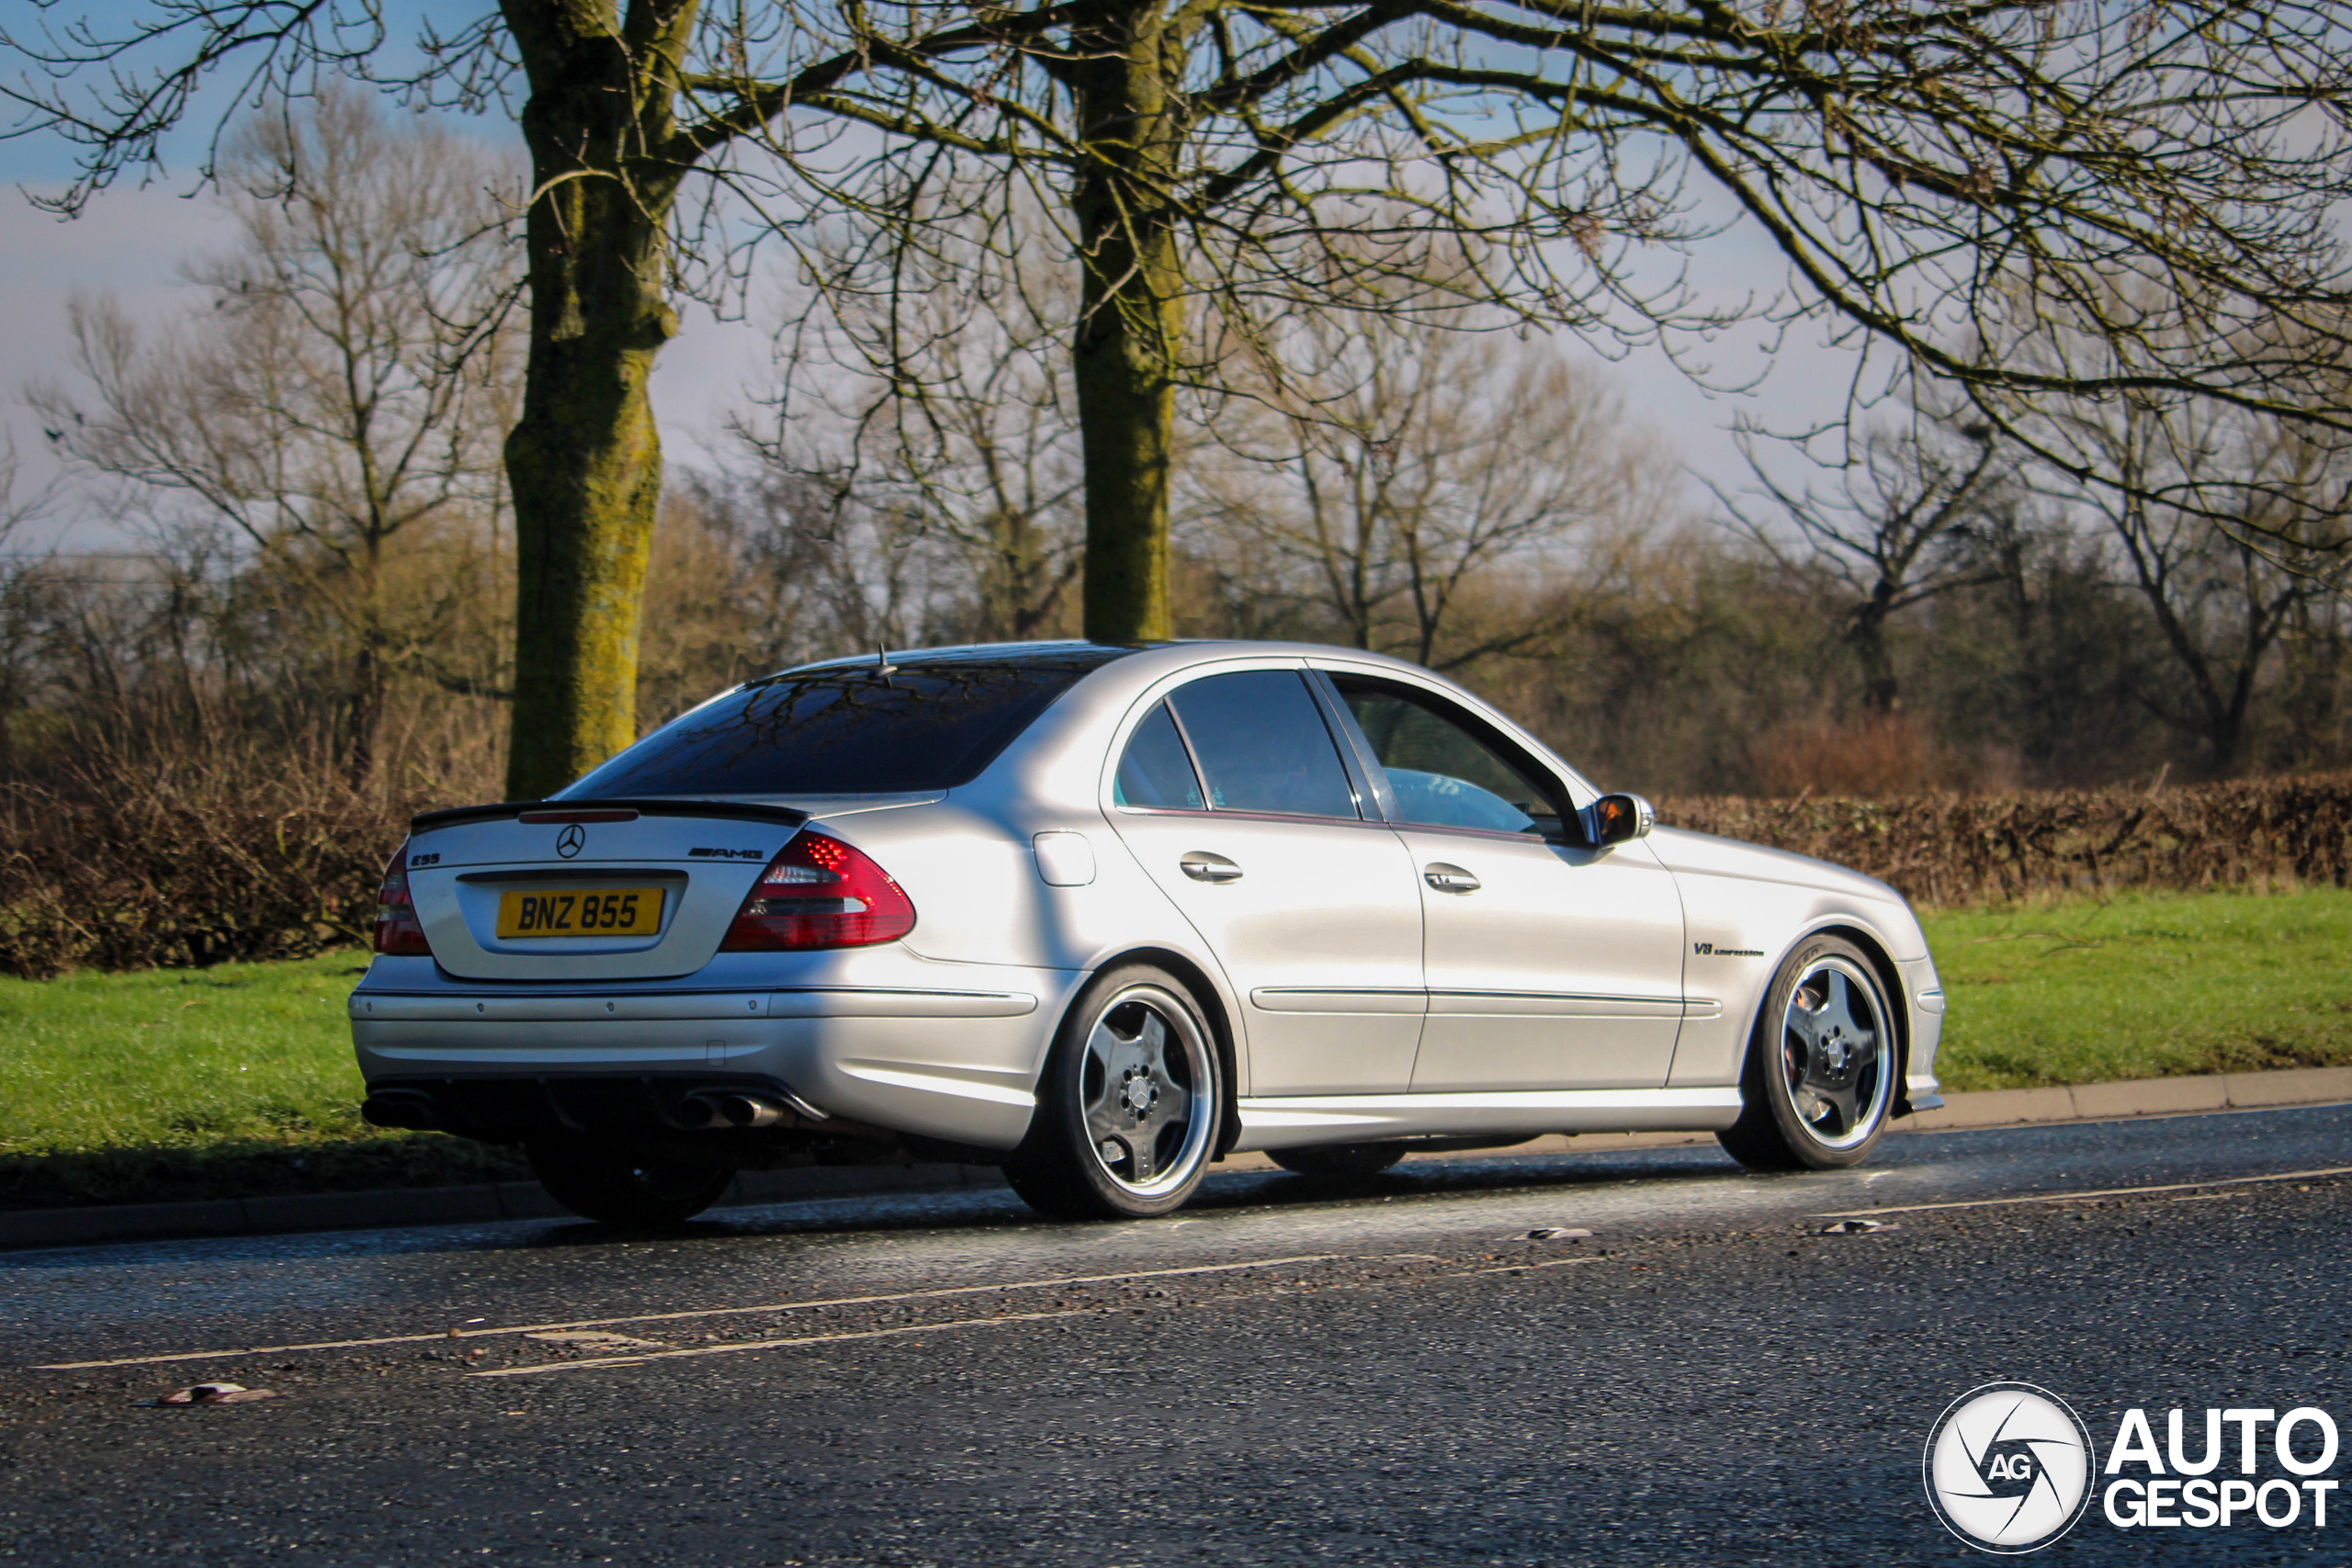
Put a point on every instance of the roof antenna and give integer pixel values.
(882, 665)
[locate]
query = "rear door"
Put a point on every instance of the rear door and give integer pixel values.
(1232, 795)
(1549, 965)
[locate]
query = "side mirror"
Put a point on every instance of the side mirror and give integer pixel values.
(1616, 819)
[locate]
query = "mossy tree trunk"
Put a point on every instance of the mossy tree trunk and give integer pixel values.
(1130, 317)
(584, 461)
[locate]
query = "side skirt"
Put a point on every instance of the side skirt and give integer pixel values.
(1294, 1123)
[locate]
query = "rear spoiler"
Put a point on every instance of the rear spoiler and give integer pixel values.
(784, 815)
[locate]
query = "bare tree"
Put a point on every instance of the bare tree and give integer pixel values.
(1927, 171)
(338, 399)
(24, 595)
(20, 502)
(794, 568)
(621, 106)
(1922, 508)
(2231, 523)
(2309, 697)
(1400, 466)
(972, 443)
(2224, 598)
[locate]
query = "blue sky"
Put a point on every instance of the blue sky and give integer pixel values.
(131, 242)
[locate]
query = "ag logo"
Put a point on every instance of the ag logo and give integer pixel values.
(2008, 1468)
(571, 841)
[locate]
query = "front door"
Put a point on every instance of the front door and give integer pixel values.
(1232, 796)
(1548, 966)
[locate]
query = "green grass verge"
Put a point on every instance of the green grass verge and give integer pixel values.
(238, 1081)
(235, 1081)
(2143, 986)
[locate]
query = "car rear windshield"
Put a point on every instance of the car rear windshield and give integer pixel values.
(840, 729)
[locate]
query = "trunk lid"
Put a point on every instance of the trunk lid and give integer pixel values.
(588, 890)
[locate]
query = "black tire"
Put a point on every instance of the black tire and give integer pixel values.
(1819, 1082)
(599, 1183)
(1345, 1161)
(1130, 1105)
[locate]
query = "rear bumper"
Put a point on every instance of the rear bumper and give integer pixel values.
(958, 1064)
(506, 1108)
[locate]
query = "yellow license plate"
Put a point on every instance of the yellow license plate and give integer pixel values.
(585, 911)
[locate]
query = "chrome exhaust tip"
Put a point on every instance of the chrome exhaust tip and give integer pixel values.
(741, 1109)
(748, 1111)
(738, 1111)
(749, 1108)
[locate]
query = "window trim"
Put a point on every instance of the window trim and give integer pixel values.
(1339, 748)
(1571, 830)
(1292, 817)
(1200, 780)
(1191, 753)
(1342, 747)
(1355, 748)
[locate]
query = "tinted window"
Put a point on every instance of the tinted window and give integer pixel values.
(1155, 770)
(1261, 741)
(1442, 773)
(842, 730)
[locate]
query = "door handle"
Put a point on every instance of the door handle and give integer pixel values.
(1449, 878)
(1203, 866)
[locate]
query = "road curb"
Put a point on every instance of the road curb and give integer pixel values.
(2137, 1096)
(527, 1201)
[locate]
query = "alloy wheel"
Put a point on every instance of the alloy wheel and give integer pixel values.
(1144, 1089)
(1836, 1053)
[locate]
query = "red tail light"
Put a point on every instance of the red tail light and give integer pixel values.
(397, 932)
(820, 893)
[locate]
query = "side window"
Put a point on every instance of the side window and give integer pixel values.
(1263, 746)
(1443, 774)
(1154, 772)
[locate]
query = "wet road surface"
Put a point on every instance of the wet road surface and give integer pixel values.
(1393, 1372)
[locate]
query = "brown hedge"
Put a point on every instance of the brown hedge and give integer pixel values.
(189, 870)
(205, 866)
(1956, 849)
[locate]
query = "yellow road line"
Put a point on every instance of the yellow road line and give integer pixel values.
(682, 1316)
(589, 1362)
(1525, 1267)
(2095, 1193)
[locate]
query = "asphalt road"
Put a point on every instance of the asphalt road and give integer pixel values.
(1391, 1375)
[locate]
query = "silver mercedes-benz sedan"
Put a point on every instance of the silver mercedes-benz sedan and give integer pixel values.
(1102, 916)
